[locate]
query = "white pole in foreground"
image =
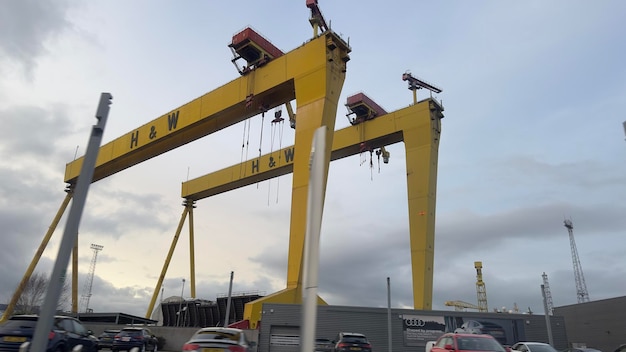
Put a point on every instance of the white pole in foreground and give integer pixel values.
(230, 294)
(388, 314)
(70, 234)
(315, 208)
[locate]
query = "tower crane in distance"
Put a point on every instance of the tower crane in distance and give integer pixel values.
(581, 287)
(461, 306)
(481, 291)
(89, 282)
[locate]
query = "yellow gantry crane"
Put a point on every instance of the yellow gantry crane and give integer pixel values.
(312, 75)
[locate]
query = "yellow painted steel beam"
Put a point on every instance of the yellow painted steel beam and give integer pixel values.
(418, 126)
(382, 131)
(261, 89)
(168, 259)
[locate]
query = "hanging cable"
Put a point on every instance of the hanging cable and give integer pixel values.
(371, 165)
(278, 119)
(243, 145)
(247, 146)
(280, 147)
(261, 139)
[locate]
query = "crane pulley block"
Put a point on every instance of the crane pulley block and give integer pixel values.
(363, 108)
(254, 48)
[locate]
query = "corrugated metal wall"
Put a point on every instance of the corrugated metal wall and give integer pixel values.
(598, 324)
(279, 321)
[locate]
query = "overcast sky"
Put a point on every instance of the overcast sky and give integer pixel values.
(534, 95)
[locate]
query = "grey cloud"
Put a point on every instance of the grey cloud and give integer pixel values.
(26, 25)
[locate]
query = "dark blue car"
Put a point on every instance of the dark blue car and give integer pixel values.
(66, 333)
(131, 337)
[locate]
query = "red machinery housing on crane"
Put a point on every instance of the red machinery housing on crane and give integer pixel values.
(254, 48)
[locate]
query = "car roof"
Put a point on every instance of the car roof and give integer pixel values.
(465, 334)
(351, 334)
(35, 317)
(533, 343)
(217, 328)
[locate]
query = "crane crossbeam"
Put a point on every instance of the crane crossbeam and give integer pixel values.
(345, 143)
(269, 86)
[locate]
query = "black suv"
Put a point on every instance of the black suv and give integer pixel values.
(66, 333)
(139, 337)
(352, 341)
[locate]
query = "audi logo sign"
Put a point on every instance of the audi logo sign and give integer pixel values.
(414, 323)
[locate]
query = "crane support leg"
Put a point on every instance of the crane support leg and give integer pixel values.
(421, 140)
(166, 264)
(31, 267)
(317, 97)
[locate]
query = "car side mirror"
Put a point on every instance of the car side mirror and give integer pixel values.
(89, 332)
(449, 347)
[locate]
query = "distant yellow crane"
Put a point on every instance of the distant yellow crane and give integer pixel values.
(481, 291)
(461, 306)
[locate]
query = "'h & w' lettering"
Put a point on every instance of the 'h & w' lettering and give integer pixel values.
(255, 165)
(172, 120)
(289, 155)
(134, 139)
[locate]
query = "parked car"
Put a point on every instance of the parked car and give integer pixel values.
(429, 346)
(352, 341)
(216, 339)
(483, 327)
(67, 332)
(466, 342)
(323, 345)
(532, 347)
(581, 349)
(105, 340)
(130, 337)
(621, 348)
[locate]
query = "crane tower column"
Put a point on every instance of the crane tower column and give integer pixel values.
(581, 286)
(481, 291)
(89, 283)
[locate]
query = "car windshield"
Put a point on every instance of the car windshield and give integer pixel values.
(216, 335)
(20, 324)
(479, 344)
(130, 333)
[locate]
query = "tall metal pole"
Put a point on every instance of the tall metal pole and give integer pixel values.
(315, 208)
(547, 314)
(389, 314)
(180, 305)
(228, 300)
(70, 234)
